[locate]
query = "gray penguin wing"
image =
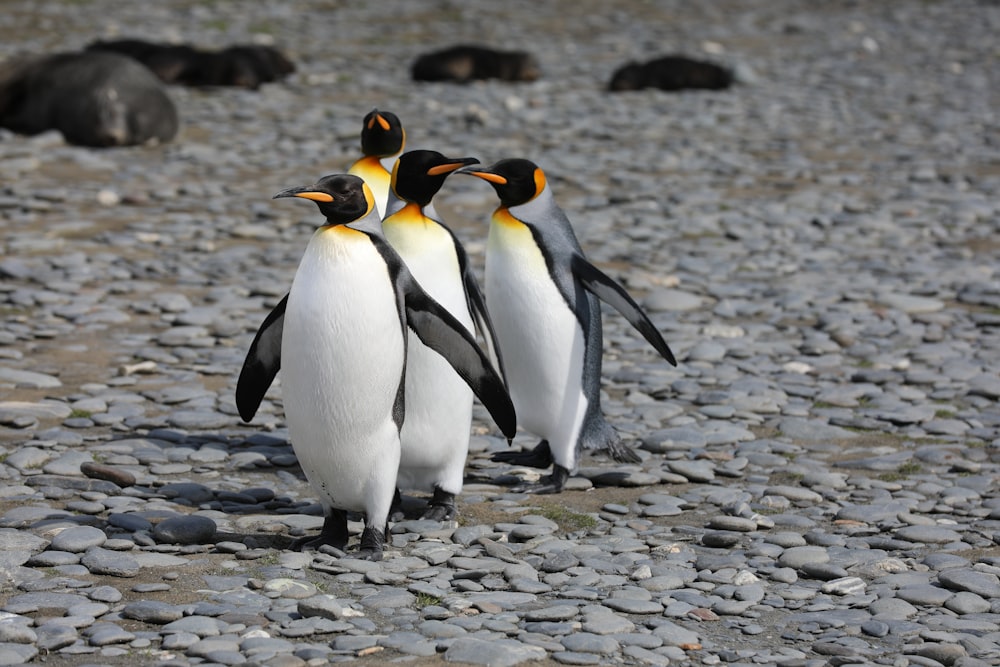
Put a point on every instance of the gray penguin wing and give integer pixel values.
(262, 362)
(439, 330)
(609, 291)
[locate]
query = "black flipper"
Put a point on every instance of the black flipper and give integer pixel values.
(609, 291)
(262, 363)
(439, 330)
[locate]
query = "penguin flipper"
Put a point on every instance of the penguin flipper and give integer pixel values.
(262, 363)
(439, 330)
(477, 306)
(606, 289)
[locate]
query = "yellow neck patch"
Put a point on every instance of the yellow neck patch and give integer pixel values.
(409, 214)
(503, 217)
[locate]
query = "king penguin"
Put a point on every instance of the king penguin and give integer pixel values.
(435, 433)
(382, 139)
(543, 296)
(340, 338)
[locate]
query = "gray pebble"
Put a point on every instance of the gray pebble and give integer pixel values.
(112, 563)
(78, 539)
(189, 529)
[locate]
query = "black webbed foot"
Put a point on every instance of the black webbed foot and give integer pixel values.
(546, 485)
(333, 534)
(372, 544)
(539, 457)
(441, 507)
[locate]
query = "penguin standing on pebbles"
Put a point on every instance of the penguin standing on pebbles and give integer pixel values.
(543, 296)
(435, 433)
(382, 139)
(341, 340)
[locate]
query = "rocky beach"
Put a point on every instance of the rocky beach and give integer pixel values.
(819, 244)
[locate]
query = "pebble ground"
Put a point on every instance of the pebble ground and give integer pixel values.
(818, 483)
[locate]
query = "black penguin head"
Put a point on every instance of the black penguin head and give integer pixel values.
(418, 175)
(516, 180)
(342, 198)
(382, 134)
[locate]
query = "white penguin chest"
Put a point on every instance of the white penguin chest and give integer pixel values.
(342, 358)
(429, 252)
(540, 338)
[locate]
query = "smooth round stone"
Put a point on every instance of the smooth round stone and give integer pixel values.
(785, 539)
(291, 588)
(353, 643)
(875, 628)
(892, 609)
(693, 471)
(964, 602)
(732, 523)
(984, 584)
(796, 557)
(106, 634)
(113, 563)
(672, 299)
(928, 534)
(17, 632)
(53, 636)
(196, 494)
(660, 510)
(109, 473)
(586, 642)
(474, 651)
(555, 613)
(844, 586)
(720, 539)
(54, 559)
(672, 439)
(607, 624)
(559, 561)
(130, 522)
(78, 539)
(823, 571)
(942, 653)
(322, 605)
(632, 606)
(188, 529)
(574, 658)
(924, 594)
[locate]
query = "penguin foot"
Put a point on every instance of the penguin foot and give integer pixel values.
(333, 534)
(441, 507)
(372, 543)
(548, 484)
(539, 457)
(622, 453)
